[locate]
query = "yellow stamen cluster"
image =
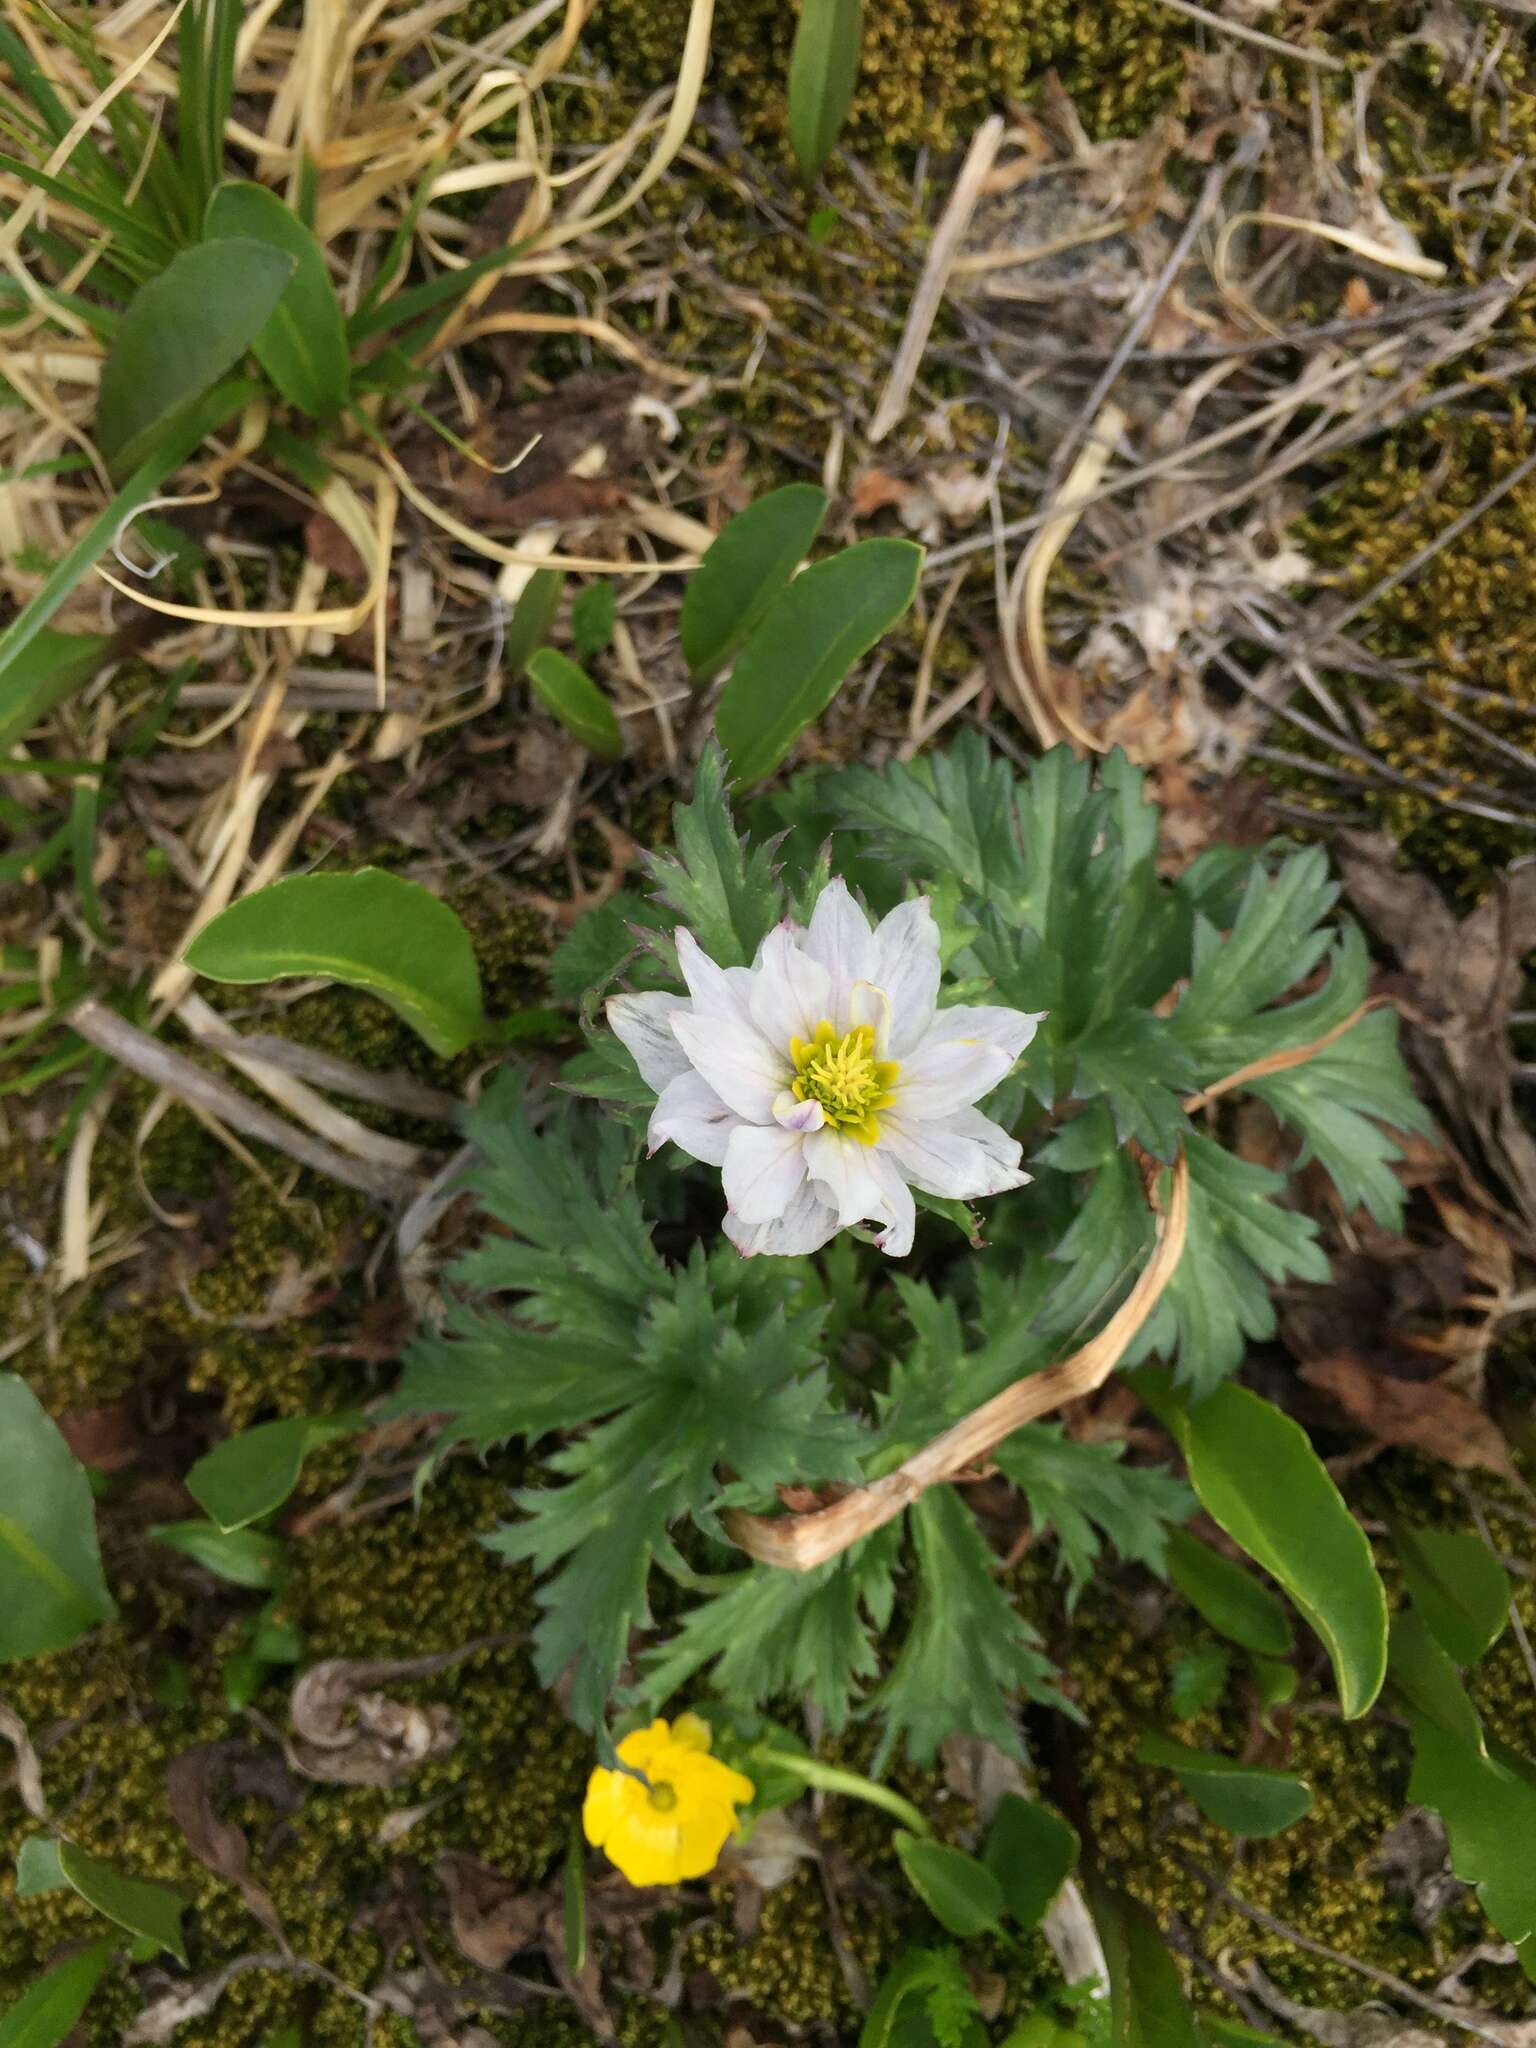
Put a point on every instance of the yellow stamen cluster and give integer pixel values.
(843, 1075)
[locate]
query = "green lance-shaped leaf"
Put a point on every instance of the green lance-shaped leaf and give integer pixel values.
(1248, 1799)
(151, 1910)
(302, 345)
(52, 667)
(372, 930)
(44, 2015)
(1259, 1478)
(532, 617)
(823, 70)
(813, 633)
(51, 1584)
(1229, 1598)
(1146, 2000)
(245, 1557)
(184, 329)
(569, 694)
(249, 1475)
(1458, 1586)
(959, 1891)
(744, 569)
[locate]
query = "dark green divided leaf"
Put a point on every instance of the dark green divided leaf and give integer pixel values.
(1031, 1851)
(813, 633)
(45, 2014)
(184, 329)
(1087, 1495)
(1146, 1999)
(371, 930)
(569, 694)
(302, 345)
(744, 569)
(823, 71)
(150, 1910)
(729, 897)
(245, 1557)
(249, 1475)
(1260, 1479)
(1245, 1798)
(51, 1584)
(925, 2000)
(532, 617)
(1458, 1586)
(1229, 1598)
(961, 1893)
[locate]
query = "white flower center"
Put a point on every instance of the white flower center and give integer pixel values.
(843, 1075)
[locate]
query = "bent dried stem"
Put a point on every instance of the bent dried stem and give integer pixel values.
(801, 1542)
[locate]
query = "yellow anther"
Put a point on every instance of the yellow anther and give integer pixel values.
(843, 1075)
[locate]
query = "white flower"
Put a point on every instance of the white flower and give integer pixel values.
(824, 1080)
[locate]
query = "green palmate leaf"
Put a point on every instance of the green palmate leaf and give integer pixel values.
(1198, 1680)
(569, 694)
(1240, 1240)
(1259, 1479)
(52, 668)
(728, 898)
(1458, 1586)
(743, 571)
(593, 612)
(1031, 1851)
(1229, 1598)
(962, 1621)
(1088, 1495)
(532, 617)
(184, 329)
(51, 1584)
(925, 1998)
(943, 815)
(1275, 943)
(823, 70)
(245, 1557)
(371, 930)
(812, 634)
(302, 345)
(959, 1891)
(44, 2015)
(1147, 2006)
(150, 1910)
(1247, 1799)
(252, 1474)
(1134, 1061)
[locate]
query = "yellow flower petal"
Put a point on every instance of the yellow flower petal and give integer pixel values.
(641, 1748)
(602, 1807)
(691, 1731)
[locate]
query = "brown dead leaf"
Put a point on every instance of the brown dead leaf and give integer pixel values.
(165, 2016)
(1419, 1415)
(1357, 301)
(347, 1733)
(493, 1918)
(876, 490)
(107, 1438)
(326, 544)
(192, 1782)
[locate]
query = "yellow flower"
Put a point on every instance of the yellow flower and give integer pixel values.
(670, 1821)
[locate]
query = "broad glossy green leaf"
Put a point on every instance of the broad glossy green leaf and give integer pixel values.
(144, 1908)
(245, 1557)
(51, 1584)
(302, 345)
(744, 569)
(1490, 1817)
(1233, 2034)
(52, 668)
(1260, 1479)
(249, 1475)
(371, 930)
(813, 633)
(569, 694)
(1146, 1999)
(1031, 1851)
(1247, 1798)
(532, 616)
(593, 612)
(823, 70)
(1427, 1682)
(1230, 1599)
(959, 1891)
(44, 2015)
(184, 329)
(1457, 1585)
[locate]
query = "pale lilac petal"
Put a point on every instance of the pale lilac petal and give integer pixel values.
(839, 938)
(724, 992)
(791, 1114)
(943, 1077)
(904, 961)
(848, 1174)
(691, 1114)
(790, 990)
(954, 1158)
(990, 1023)
(738, 1064)
(641, 1023)
(804, 1227)
(764, 1170)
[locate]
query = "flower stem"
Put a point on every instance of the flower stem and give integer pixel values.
(827, 1778)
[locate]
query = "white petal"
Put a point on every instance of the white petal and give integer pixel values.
(943, 1077)
(789, 990)
(791, 1114)
(839, 939)
(805, 1226)
(963, 1157)
(764, 1170)
(870, 1005)
(716, 991)
(737, 1062)
(641, 1024)
(852, 1176)
(905, 963)
(989, 1023)
(691, 1114)
(896, 1240)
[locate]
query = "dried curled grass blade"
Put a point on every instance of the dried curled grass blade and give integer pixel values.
(801, 1542)
(1279, 1062)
